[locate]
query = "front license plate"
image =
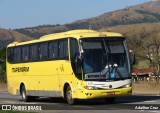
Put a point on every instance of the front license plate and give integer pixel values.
(110, 93)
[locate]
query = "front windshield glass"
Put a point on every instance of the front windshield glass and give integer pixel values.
(105, 59)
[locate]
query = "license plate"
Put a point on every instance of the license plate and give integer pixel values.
(110, 93)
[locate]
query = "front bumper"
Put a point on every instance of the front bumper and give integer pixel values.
(92, 94)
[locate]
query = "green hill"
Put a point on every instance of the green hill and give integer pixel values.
(143, 13)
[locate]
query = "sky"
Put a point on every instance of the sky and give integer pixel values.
(29, 13)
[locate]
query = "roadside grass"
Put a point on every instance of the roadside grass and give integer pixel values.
(1, 111)
(146, 88)
(3, 87)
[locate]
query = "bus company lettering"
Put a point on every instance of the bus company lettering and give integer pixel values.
(20, 69)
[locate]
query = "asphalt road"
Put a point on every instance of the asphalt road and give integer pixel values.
(133, 104)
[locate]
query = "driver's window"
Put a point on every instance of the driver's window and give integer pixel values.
(74, 52)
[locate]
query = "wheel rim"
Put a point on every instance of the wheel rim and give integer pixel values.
(23, 95)
(69, 95)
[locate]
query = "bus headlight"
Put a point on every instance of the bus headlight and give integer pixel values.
(90, 87)
(127, 85)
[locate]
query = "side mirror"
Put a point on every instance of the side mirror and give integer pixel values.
(132, 57)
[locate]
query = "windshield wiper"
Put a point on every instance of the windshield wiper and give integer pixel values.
(107, 64)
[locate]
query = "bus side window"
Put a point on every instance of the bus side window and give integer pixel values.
(63, 49)
(43, 51)
(25, 53)
(17, 54)
(53, 50)
(74, 50)
(10, 55)
(34, 52)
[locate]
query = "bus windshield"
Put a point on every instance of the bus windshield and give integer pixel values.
(105, 59)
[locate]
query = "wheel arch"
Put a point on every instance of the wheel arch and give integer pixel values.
(65, 88)
(20, 88)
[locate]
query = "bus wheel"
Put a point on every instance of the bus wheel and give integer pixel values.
(69, 98)
(110, 100)
(25, 98)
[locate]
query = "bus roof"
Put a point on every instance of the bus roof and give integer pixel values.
(81, 33)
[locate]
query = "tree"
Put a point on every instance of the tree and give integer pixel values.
(3, 63)
(146, 46)
(154, 52)
(137, 41)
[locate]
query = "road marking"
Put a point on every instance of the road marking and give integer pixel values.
(28, 103)
(135, 101)
(149, 101)
(11, 102)
(154, 111)
(20, 102)
(126, 100)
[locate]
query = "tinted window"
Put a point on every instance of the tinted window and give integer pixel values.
(73, 48)
(25, 53)
(17, 54)
(10, 55)
(53, 50)
(116, 47)
(63, 47)
(57, 49)
(43, 50)
(34, 52)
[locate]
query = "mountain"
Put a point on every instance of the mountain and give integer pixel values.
(36, 32)
(144, 13)
(8, 36)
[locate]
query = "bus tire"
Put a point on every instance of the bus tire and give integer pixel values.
(110, 100)
(69, 98)
(25, 98)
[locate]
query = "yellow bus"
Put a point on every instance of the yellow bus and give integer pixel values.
(77, 64)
